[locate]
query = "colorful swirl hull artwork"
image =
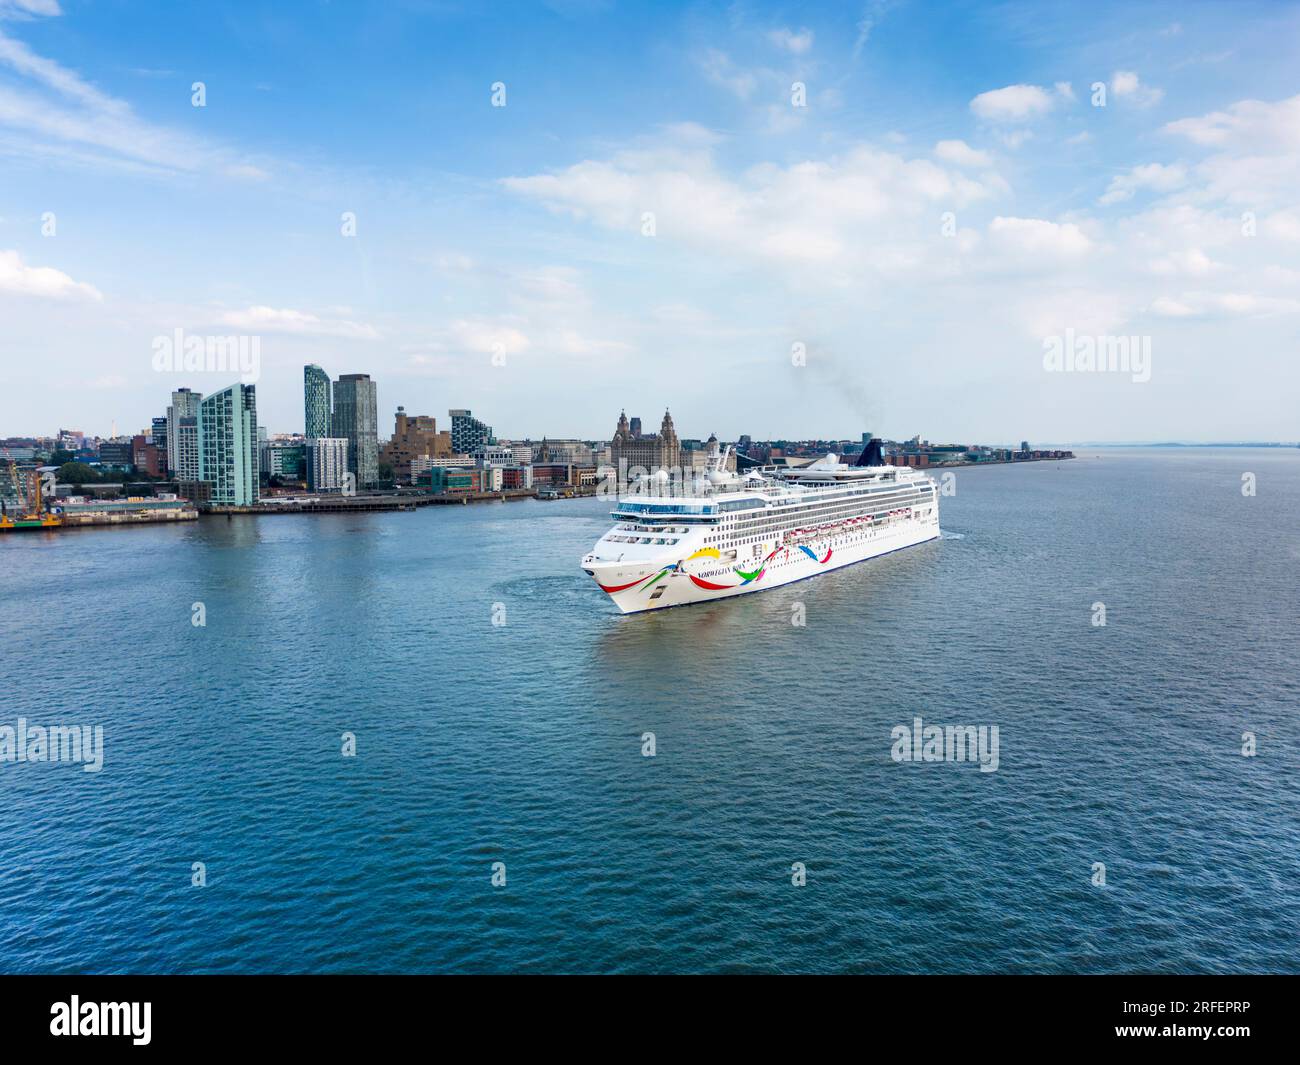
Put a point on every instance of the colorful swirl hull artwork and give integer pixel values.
(652, 579)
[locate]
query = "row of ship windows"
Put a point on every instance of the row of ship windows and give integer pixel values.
(763, 538)
(793, 520)
(783, 520)
(858, 493)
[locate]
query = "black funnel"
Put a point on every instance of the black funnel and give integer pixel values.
(871, 454)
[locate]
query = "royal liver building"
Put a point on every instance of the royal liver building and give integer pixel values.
(653, 452)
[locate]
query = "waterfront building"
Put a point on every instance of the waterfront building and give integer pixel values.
(327, 462)
(661, 451)
(522, 451)
(576, 451)
(442, 479)
(282, 458)
(415, 436)
(228, 445)
(356, 420)
(494, 455)
(517, 476)
(563, 473)
(117, 453)
(133, 510)
(468, 433)
(183, 435)
(317, 410)
(423, 464)
(147, 457)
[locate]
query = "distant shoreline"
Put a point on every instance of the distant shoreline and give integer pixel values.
(1260, 444)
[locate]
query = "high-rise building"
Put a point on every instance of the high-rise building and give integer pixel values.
(183, 435)
(228, 445)
(635, 426)
(356, 419)
(327, 462)
(159, 441)
(468, 434)
(414, 436)
(316, 401)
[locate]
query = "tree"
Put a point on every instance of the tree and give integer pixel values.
(77, 473)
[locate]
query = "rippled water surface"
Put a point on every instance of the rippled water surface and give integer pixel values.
(522, 743)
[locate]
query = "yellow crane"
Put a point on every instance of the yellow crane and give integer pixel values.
(35, 516)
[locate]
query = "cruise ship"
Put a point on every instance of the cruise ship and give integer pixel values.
(727, 534)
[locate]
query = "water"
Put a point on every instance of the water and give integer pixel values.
(522, 743)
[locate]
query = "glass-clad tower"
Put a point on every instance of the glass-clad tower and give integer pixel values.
(316, 401)
(228, 445)
(356, 419)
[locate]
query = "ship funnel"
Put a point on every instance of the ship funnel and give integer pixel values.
(871, 454)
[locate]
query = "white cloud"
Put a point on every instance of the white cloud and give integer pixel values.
(287, 320)
(43, 281)
(546, 333)
(1014, 103)
(1191, 261)
(1014, 138)
(551, 285)
(247, 172)
(59, 113)
(959, 153)
(107, 383)
(1256, 157)
(1251, 304)
(1252, 125)
(797, 43)
(1038, 237)
(1153, 176)
(872, 13)
(485, 337)
(1224, 305)
(1064, 90)
(719, 69)
(855, 210)
(1171, 308)
(1126, 85)
(29, 8)
(1284, 225)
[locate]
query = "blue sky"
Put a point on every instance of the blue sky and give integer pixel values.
(947, 199)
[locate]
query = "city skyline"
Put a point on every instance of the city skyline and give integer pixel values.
(893, 251)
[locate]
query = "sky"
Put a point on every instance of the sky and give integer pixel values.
(785, 221)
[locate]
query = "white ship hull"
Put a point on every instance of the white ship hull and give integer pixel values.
(728, 535)
(789, 565)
